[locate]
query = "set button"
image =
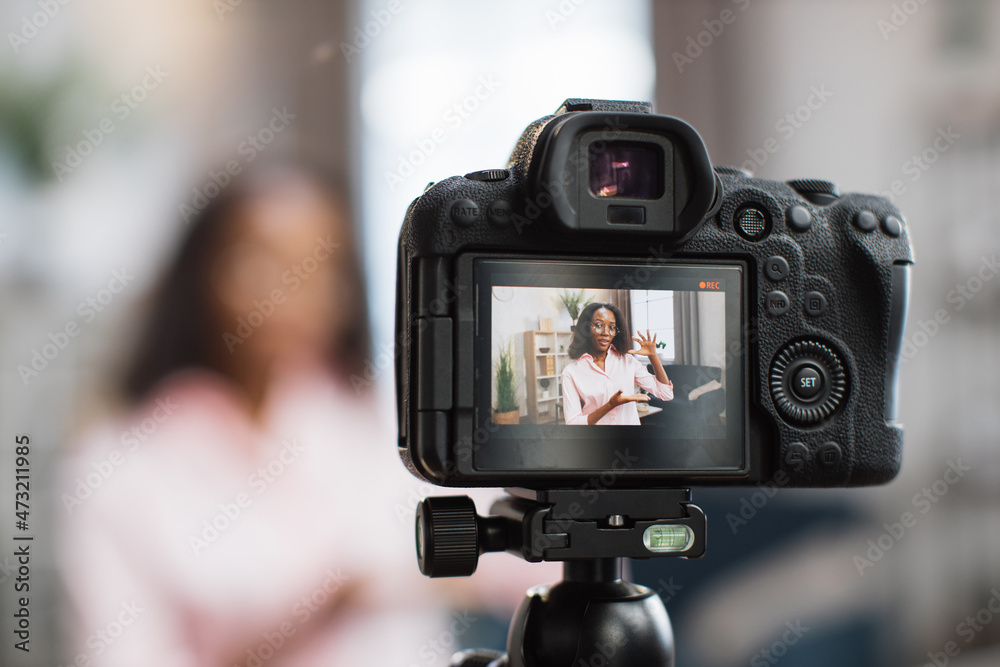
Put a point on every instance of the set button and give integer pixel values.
(808, 382)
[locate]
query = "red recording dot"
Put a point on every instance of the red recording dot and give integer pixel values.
(701, 285)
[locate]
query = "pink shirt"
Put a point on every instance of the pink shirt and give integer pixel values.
(585, 387)
(215, 538)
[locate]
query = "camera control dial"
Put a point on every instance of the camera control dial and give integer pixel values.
(488, 175)
(816, 191)
(808, 382)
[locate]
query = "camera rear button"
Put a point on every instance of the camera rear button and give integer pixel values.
(796, 455)
(776, 268)
(464, 212)
(815, 304)
(829, 455)
(865, 221)
(776, 303)
(799, 218)
(808, 383)
(498, 213)
(892, 226)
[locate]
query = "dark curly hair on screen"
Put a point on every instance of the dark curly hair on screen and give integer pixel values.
(582, 342)
(180, 333)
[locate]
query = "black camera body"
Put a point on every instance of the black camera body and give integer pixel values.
(785, 304)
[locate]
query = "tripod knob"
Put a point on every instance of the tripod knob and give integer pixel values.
(447, 536)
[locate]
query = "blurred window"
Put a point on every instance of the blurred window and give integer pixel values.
(436, 108)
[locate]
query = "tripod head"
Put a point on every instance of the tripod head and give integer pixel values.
(592, 615)
(558, 525)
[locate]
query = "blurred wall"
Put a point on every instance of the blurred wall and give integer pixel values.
(298, 45)
(222, 69)
(899, 98)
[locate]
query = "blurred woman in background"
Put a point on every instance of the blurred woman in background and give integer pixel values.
(251, 507)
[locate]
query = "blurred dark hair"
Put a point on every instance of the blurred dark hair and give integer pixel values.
(583, 335)
(181, 330)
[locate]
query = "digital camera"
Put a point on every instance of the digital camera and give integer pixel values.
(611, 310)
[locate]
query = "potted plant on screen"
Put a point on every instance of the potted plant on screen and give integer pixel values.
(574, 303)
(506, 409)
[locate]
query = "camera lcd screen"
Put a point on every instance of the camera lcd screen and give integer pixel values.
(593, 366)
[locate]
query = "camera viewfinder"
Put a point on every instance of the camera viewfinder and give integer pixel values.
(626, 169)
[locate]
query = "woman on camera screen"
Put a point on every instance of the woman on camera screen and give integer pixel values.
(598, 385)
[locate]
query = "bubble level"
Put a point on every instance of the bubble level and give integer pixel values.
(668, 538)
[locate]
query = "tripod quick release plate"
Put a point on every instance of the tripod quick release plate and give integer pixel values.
(558, 525)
